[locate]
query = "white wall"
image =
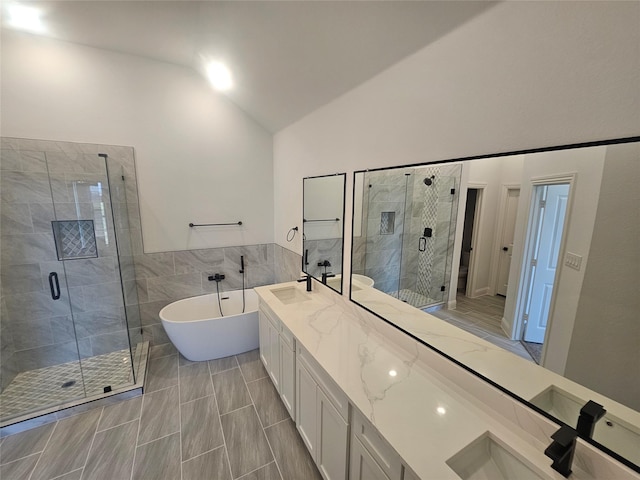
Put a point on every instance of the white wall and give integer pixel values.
(199, 157)
(604, 352)
(521, 75)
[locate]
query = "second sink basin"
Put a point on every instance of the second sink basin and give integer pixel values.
(488, 458)
(288, 295)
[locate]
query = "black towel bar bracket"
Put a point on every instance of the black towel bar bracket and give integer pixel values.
(322, 220)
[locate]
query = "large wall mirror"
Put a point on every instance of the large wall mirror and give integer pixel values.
(523, 267)
(323, 228)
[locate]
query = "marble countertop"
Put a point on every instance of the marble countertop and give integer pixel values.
(423, 418)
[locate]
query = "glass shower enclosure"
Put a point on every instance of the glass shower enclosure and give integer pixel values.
(407, 232)
(66, 258)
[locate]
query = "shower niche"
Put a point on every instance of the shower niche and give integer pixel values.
(404, 229)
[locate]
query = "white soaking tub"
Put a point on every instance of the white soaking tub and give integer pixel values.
(199, 331)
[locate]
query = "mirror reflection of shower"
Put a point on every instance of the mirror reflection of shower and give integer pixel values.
(407, 233)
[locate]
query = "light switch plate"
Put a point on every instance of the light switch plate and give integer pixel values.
(572, 260)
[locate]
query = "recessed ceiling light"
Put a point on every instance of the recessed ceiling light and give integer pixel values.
(392, 373)
(25, 18)
(219, 76)
(441, 410)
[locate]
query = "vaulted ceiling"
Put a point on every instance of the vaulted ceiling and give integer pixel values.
(287, 58)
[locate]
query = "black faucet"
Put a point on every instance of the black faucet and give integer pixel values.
(306, 278)
(326, 275)
(562, 449)
(589, 415)
(218, 277)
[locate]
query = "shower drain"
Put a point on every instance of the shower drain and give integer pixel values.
(68, 384)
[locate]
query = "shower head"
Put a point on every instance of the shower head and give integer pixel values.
(429, 180)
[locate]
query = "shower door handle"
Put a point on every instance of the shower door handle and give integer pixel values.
(55, 289)
(422, 244)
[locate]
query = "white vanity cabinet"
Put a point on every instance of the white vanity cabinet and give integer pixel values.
(277, 352)
(371, 456)
(322, 413)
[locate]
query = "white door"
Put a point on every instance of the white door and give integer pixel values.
(545, 231)
(506, 239)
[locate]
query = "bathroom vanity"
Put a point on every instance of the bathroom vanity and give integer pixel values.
(370, 402)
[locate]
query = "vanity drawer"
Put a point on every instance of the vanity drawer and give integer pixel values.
(378, 448)
(334, 393)
(264, 309)
(287, 336)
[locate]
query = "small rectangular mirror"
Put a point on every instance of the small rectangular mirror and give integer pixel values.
(323, 228)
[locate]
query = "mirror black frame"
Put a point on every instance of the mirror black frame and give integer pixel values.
(513, 395)
(304, 221)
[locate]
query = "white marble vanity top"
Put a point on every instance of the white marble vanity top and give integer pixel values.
(421, 414)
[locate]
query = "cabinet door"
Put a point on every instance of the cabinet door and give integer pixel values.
(362, 466)
(306, 408)
(274, 355)
(287, 377)
(333, 433)
(265, 351)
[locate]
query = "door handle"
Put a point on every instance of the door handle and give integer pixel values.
(55, 289)
(422, 244)
(506, 249)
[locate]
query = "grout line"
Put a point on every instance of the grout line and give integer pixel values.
(159, 438)
(116, 426)
(135, 447)
(93, 439)
(179, 407)
(45, 447)
(259, 468)
(260, 421)
(65, 474)
(203, 453)
(224, 440)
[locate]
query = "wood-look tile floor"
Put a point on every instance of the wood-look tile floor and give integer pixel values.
(220, 420)
(481, 317)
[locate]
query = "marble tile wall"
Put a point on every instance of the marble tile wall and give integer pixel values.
(320, 250)
(46, 180)
(165, 277)
(384, 192)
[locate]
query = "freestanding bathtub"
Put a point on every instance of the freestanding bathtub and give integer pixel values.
(198, 330)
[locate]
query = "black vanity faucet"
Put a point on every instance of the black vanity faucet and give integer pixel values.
(562, 449)
(326, 275)
(589, 415)
(306, 278)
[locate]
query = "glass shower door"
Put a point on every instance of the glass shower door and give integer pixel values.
(86, 248)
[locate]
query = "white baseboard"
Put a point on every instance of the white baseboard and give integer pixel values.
(504, 325)
(480, 292)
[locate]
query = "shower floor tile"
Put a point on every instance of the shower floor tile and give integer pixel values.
(37, 389)
(414, 299)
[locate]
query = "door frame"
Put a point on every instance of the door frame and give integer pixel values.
(524, 282)
(497, 239)
(470, 290)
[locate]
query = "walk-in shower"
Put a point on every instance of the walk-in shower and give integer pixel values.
(407, 233)
(70, 322)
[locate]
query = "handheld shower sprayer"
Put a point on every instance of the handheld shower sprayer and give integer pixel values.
(241, 263)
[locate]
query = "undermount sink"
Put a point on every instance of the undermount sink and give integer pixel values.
(488, 458)
(289, 295)
(610, 431)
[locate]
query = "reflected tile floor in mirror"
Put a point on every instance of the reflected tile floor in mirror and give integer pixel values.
(34, 390)
(481, 317)
(221, 419)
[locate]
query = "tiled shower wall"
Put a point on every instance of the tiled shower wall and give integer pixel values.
(384, 191)
(46, 180)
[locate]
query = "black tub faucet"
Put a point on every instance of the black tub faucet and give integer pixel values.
(306, 278)
(562, 449)
(589, 415)
(326, 275)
